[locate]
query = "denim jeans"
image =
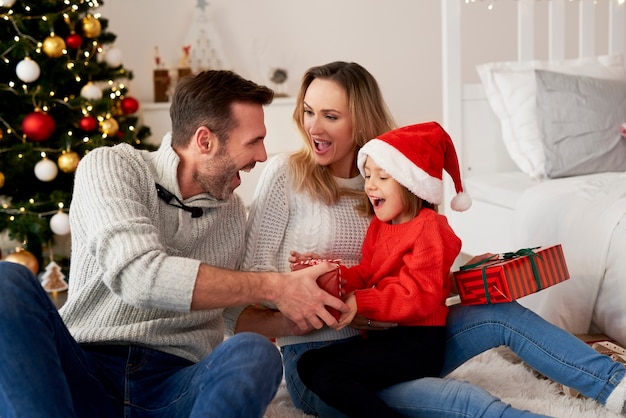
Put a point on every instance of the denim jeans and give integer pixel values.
(46, 373)
(472, 330)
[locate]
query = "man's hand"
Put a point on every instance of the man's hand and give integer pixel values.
(302, 301)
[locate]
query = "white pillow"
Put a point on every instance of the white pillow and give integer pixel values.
(510, 88)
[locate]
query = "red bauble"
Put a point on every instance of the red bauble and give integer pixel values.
(74, 41)
(38, 126)
(129, 105)
(88, 123)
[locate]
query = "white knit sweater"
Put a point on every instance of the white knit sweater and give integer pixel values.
(281, 220)
(135, 258)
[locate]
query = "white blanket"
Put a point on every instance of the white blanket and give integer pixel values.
(584, 215)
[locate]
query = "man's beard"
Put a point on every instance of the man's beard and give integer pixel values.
(217, 178)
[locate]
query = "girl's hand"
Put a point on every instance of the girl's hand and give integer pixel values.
(296, 257)
(347, 317)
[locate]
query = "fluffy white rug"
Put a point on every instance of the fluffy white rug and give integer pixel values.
(503, 375)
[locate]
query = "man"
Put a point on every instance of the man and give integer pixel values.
(157, 238)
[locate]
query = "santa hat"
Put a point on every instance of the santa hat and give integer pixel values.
(415, 156)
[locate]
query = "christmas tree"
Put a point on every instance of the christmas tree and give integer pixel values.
(62, 94)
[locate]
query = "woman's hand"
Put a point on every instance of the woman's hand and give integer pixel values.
(361, 322)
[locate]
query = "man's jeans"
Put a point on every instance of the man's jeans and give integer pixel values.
(45, 373)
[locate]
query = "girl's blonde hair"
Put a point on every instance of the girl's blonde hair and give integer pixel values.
(370, 118)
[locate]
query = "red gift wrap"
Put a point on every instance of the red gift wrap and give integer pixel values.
(506, 277)
(330, 282)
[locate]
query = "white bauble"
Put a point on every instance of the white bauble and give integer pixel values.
(114, 57)
(60, 223)
(91, 92)
(27, 70)
(46, 170)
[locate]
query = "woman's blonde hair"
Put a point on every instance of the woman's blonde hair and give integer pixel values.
(370, 118)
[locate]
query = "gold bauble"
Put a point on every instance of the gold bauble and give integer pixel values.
(1, 179)
(109, 126)
(91, 27)
(25, 258)
(68, 161)
(53, 46)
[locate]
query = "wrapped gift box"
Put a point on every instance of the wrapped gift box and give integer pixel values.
(330, 282)
(506, 277)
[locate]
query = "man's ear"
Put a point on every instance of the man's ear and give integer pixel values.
(205, 140)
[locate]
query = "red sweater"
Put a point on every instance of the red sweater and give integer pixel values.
(403, 274)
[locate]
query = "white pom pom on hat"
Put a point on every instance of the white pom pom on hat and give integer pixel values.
(416, 156)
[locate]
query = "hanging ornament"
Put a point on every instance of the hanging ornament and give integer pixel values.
(88, 123)
(53, 280)
(74, 41)
(46, 170)
(60, 223)
(38, 126)
(91, 26)
(129, 105)
(27, 70)
(91, 92)
(109, 126)
(1, 179)
(53, 46)
(25, 258)
(68, 161)
(114, 57)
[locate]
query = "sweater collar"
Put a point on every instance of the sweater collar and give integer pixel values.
(165, 165)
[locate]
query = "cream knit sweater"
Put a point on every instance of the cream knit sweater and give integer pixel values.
(135, 258)
(281, 220)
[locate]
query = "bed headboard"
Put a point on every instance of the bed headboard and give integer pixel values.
(467, 116)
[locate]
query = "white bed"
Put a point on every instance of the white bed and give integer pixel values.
(521, 135)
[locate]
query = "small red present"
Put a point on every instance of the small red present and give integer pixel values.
(330, 282)
(509, 276)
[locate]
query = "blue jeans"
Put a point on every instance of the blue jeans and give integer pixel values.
(46, 373)
(472, 330)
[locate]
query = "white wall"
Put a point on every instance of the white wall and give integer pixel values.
(397, 40)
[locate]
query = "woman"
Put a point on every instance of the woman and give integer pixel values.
(306, 203)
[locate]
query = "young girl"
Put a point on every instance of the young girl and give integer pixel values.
(402, 277)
